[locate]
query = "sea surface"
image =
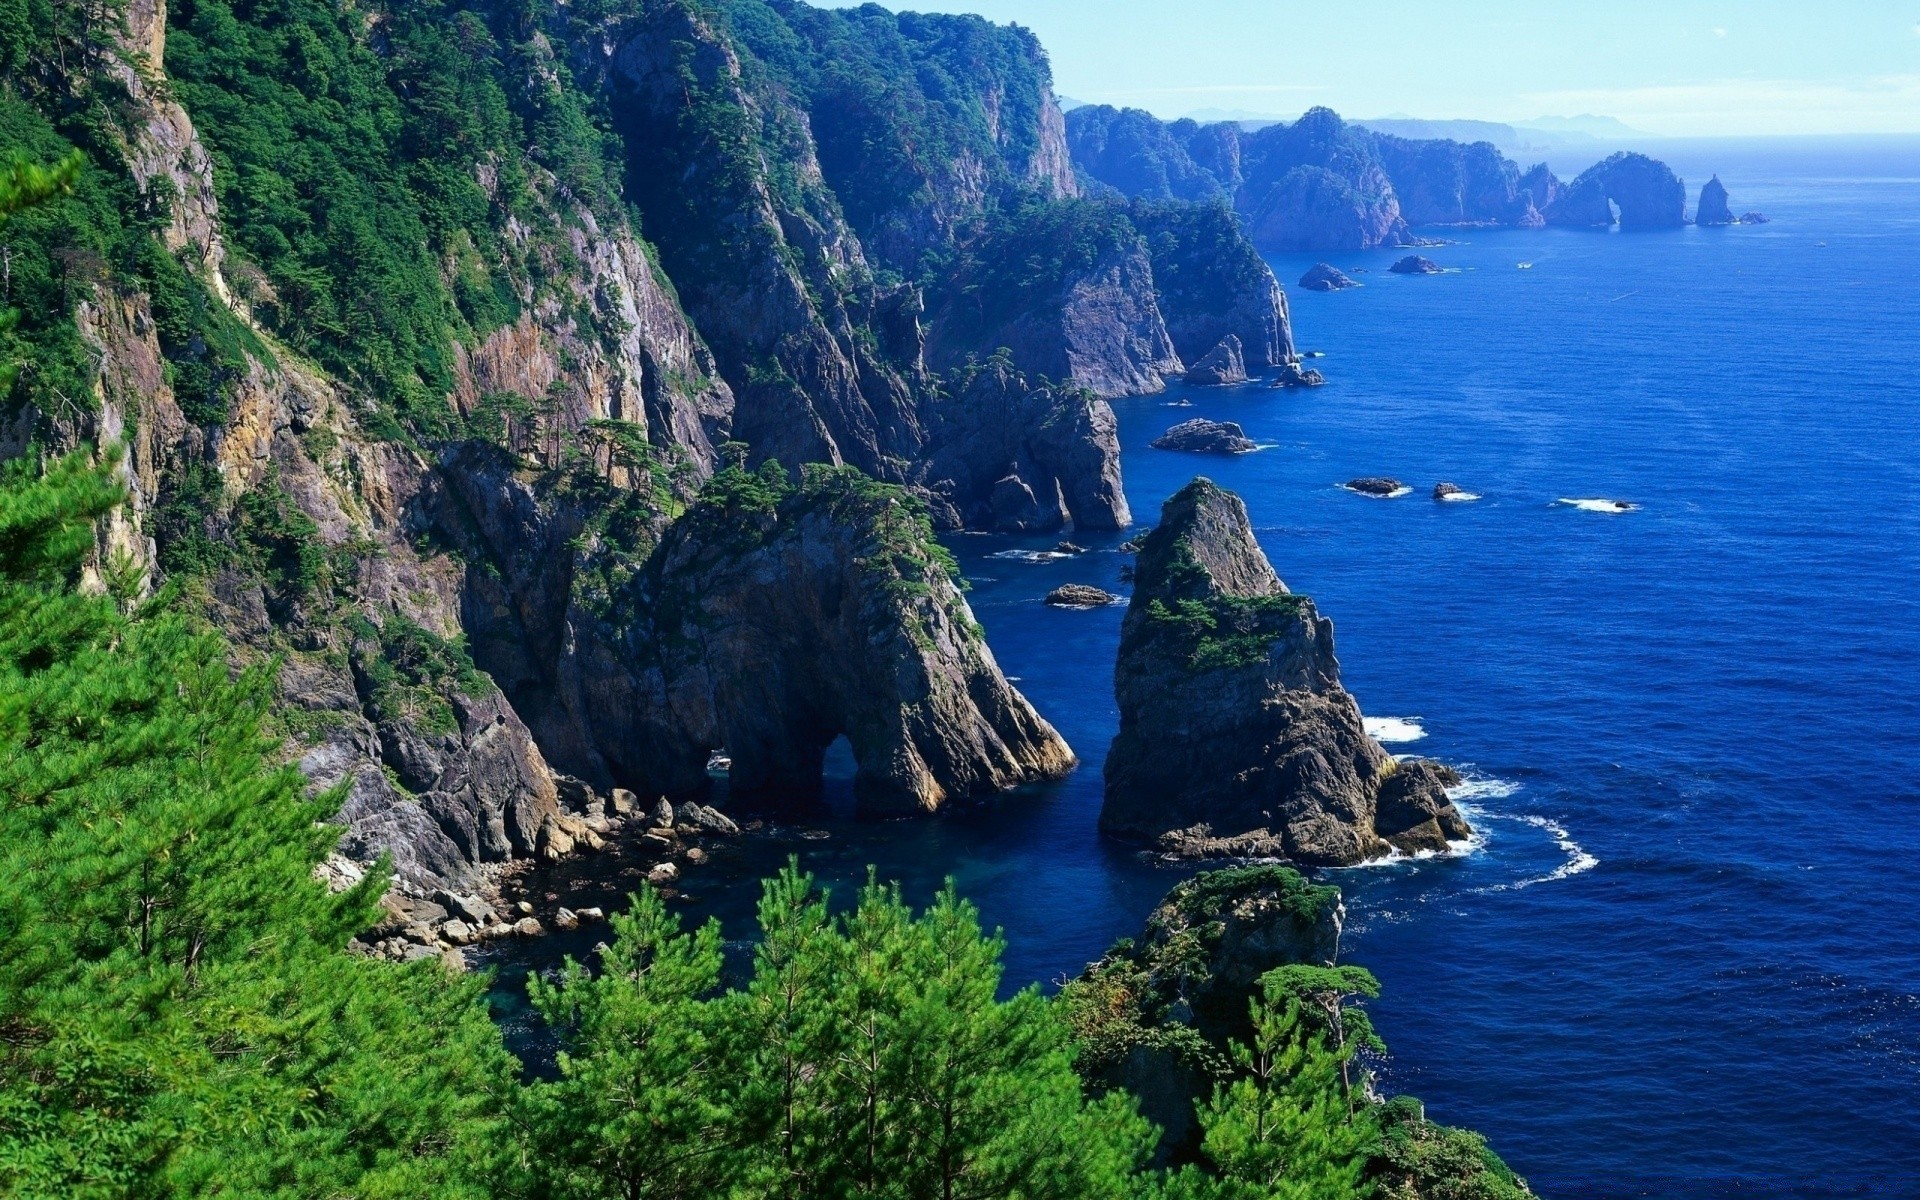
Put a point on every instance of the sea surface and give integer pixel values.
(1684, 960)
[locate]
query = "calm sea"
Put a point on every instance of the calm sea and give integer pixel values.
(1685, 961)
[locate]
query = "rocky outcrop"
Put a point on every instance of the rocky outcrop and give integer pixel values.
(1005, 453)
(1713, 208)
(1080, 595)
(1753, 218)
(1211, 283)
(1414, 264)
(1236, 737)
(1376, 485)
(1644, 192)
(1223, 364)
(1325, 277)
(1201, 436)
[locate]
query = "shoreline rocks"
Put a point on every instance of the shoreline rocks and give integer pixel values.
(1201, 436)
(1236, 737)
(1293, 375)
(1414, 264)
(1325, 277)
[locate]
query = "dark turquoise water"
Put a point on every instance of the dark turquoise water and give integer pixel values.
(1684, 961)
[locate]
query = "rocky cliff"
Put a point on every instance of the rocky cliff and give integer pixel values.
(414, 407)
(1321, 183)
(1236, 737)
(1632, 190)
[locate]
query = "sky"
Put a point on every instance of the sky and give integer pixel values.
(1680, 68)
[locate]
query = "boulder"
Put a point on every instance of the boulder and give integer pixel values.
(1325, 277)
(457, 931)
(470, 909)
(528, 927)
(1079, 595)
(1442, 490)
(566, 918)
(663, 815)
(1713, 208)
(1201, 436)
(663, 874)
(1293, 375)
(1413, 264)
(704, 818)
(1375, 485)
(624, 801)
(1753, 218)
(1236, 737)
(1223, 364)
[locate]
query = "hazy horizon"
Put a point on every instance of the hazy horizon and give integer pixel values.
(1682, 69)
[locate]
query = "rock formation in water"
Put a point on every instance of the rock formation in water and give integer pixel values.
(1375, 485)
(1201, 436)
(1644, 192)
(1414, 264)
(1753, 218)
(1236, 737)
(1325, 277)
(1713, 208)
(1223, 364)
(1080, 595)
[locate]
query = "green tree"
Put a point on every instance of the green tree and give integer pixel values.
(1283, 1130)
(178, 1014)
(25, 184)
(1322, 993)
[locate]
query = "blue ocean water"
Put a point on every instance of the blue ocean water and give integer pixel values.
(1684, 960)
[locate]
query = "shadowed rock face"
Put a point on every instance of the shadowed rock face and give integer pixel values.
(1222, 364)
(1325, 277)
(1713, 209)
(1236, 737)
(1646, 192)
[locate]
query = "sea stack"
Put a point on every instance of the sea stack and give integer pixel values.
(1225, 363)
(1236, 738)
(1714, 209)
(1201, 436)
(1413, 264)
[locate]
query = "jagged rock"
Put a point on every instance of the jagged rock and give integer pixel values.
(1201, 436)
(528, 927)
(663, 813)
(663, 874)
(565, 918)
(1376, 485)
(591, 914)
(1452, 491)
(1235, 734)
(1068, 548)
(1211, 282)
(624, 801)
(1646, 193)
(1080, 595)
(706, 819)
(1325, 277)
(1713, 208)
(1413, 264)
(458, 932)
(1293, 375)
(1753, 218)
(1223, 364)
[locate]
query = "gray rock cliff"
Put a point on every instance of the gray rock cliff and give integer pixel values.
(1236, 737)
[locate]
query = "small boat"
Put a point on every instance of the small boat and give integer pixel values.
(1524, 266)
(719, 764)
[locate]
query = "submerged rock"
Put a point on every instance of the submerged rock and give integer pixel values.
(1079, 595)
(1236, 737)
(1325, 277)
(1413, 264)
(1223, 364)
(1713, 208)
(1378, 485)
(1201, 436)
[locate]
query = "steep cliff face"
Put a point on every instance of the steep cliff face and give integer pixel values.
(1212, 283)
(1136, 154)
(407, 380)
(1644, 192)
(767, 620)
(1235, 734)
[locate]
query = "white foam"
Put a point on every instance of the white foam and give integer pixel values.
(1394, 729)
(1460, 496)
(1578, 859)
(1030, 556)
(1395, 494)
(1598, 504)
(1470, 790)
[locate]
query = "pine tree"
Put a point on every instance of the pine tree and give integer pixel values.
(177, 1014)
